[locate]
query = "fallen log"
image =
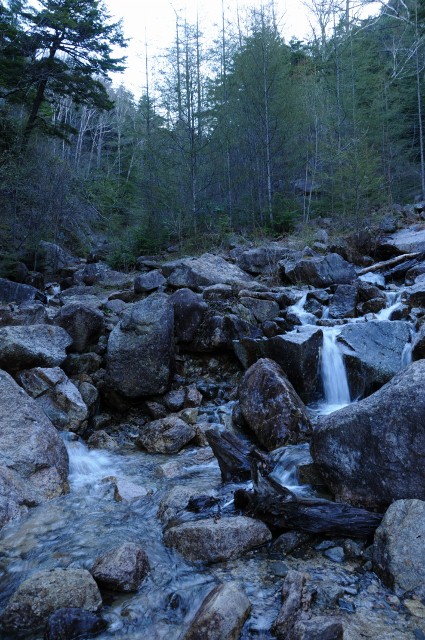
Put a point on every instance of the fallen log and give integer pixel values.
(283, 510)
(232, 454)
(387, 263)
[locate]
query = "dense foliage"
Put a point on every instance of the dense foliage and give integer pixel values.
(253, 133)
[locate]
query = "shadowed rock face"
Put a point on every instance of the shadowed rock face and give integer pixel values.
(140, 355)
(271, 407)
(372, 452)
(398, 551)
(221, 615)
(38, 345)
(45, 592)
(319, 272)
(373, 353)
(33, 458)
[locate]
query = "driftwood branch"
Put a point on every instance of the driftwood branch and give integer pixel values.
(232, 454)
(282, 509)
(388, 263)
(276, 505)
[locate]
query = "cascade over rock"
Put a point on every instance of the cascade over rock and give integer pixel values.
(372, 452)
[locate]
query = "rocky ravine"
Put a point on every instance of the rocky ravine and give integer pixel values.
(130, 362)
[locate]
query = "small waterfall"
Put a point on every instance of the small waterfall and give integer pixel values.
(334, 376)
(88, 466)
(393, 303)
(298, 309)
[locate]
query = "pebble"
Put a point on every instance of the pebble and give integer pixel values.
(336, 554)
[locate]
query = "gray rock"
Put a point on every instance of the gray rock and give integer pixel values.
(418, 346)
(189, 310)
(317, 628)
(122, 569)
(372, 452)
(77, 364)
(101, 274)
(221, 615)
(37, 345)
(373, 353)
(409, 240)
(298, 353)
(70, 623)
(52, 258)
(57, 396)
(174, 400)
(24, 315)
(174, 502)
(261, 309)
(146, 282)
(140, 355)
(166, 435)
(271, 407)
(214, 541)
(46, 591)
(18, 293)
(318, 271)
(102, 440)
(343, 302)
(205, 271)
(83, 323)
(262, 259)
(30, 449)
(414, 296)
(399, 546)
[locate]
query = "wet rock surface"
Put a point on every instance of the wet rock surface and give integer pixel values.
(371, 452)
(271, 407)
(217, 540)
(122, 569)
(45, 592)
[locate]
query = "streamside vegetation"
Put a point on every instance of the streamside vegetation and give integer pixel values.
(249, 134)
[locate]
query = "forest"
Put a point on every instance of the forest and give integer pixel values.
(248, 135)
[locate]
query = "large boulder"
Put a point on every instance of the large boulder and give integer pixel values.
(414, 296)
(221, 615)
(262, 259)
(214, 540)
(166, 435)
(46, 591)
(27, 313)
(373, 353)
(38, 345)
(51, 257)
(121, 569)
(319, 271)
(399, 546)
(82, 322)
(298, 353)
(18, 293)
(150, 281)
(271, 407)
(57, 396)
(33, 458)
(189, 310)
(409, 240)
(343, 302)
(372, 452)
(140, 355)
(205, 271)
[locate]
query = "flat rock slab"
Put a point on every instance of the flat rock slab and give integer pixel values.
(38, 345)
(221, 615)
(215, 541)
(205, 271)
(408, 240)
(46, 591)
(399, 546)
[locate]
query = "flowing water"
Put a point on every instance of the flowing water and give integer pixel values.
(73, 530)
